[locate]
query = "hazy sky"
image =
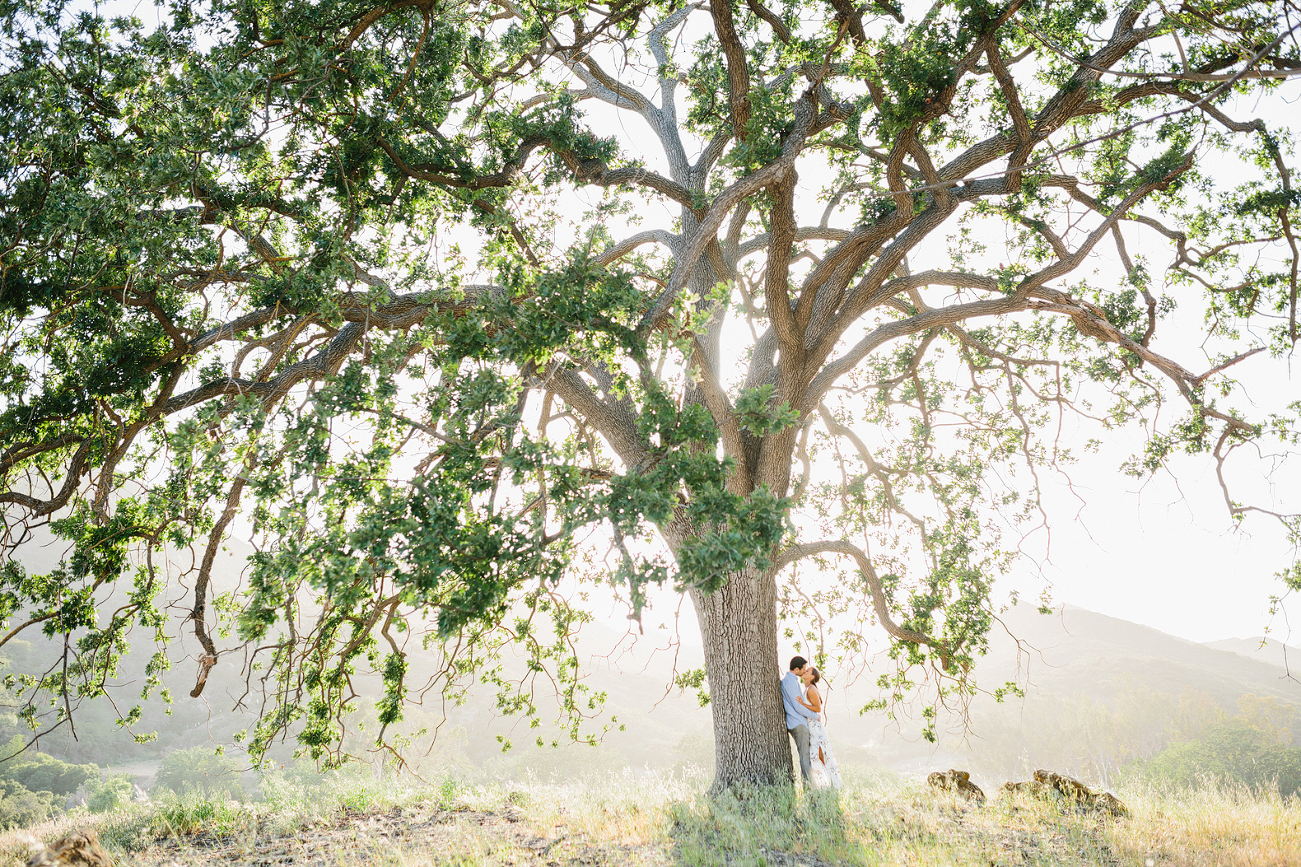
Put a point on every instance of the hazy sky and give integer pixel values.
(1167, 555)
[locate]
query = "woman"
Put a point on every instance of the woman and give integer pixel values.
(826, 774)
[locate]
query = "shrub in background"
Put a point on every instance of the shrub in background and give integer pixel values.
(33, 785)
(1231, 754)
(200, 770)
(20, 806)
(38, 772)
(109, 793)
(1282, 766)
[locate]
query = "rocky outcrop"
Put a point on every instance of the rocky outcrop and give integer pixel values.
(958, 782)
(1047, 784)
(78, 849)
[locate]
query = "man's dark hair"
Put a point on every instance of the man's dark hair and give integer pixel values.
(798, 662)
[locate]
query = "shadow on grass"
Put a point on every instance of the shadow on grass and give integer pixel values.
(769, 825)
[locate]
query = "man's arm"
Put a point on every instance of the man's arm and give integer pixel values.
(792, 694)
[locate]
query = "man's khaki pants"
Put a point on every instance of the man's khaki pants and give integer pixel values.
(801, 735)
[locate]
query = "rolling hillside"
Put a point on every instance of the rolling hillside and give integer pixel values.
(1264, 650)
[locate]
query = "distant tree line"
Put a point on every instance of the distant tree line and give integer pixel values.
(1254, 747)
(1141, 733)
(35, 786)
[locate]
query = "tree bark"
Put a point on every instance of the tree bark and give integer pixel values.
(738, 626)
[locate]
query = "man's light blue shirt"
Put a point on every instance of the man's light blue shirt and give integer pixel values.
(796, 713)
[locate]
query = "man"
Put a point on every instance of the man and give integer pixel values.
(797, 714)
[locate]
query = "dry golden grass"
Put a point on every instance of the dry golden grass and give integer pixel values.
(1212, 827)
(669, 820)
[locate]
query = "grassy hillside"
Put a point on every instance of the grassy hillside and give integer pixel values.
(667, 820)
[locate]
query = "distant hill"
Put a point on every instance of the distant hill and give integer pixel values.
(1264, 650)
(1078, 651)
(1100, 692)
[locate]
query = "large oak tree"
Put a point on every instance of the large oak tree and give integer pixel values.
(429, 299)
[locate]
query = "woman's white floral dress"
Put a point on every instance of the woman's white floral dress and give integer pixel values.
(826, 773)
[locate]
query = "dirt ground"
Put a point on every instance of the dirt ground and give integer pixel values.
(400, 837)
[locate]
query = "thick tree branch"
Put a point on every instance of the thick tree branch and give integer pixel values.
(880, 605)
(617, 251)
(613, 420)
(738, 70)
(895, 329)
(722, 205)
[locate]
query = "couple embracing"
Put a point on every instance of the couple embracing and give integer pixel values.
(803, 703)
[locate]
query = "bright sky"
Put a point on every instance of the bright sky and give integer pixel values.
(1164, 553)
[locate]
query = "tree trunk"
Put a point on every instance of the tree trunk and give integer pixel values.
(738, 626)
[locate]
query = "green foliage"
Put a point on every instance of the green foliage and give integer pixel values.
(874, 819)
(202, 772)
(197, 810)
(34, 786)
(1251, 748)
(1231, 755)
(694, 679)
(39, 772)
(20, 806)
(109, 793)
(758, 416)
(744, 823)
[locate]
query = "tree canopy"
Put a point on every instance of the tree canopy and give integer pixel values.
(431, 301)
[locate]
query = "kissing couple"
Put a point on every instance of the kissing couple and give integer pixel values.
(805, 723)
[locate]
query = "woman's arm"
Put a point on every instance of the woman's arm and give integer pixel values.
(814, 702)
